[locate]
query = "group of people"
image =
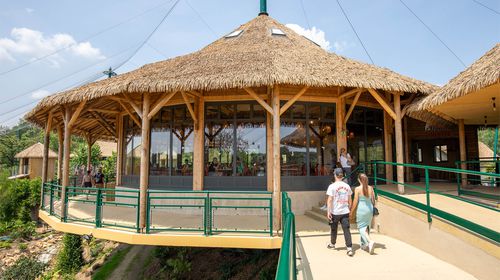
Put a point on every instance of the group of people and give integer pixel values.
(215, 168)
(342, 208)
(95, 180)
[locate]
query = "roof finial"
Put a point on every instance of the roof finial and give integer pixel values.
(263, 8)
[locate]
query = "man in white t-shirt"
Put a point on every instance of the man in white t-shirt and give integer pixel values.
(339, 202)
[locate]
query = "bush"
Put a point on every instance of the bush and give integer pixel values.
(24, 269)
(23, 246)
(70, 258)
(21, 229)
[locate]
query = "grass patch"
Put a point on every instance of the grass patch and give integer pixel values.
(105, 271)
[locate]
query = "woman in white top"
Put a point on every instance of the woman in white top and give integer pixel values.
(346, 162)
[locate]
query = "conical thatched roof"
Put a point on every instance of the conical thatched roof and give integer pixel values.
(254, 58)
(481, 74)
(35, 151)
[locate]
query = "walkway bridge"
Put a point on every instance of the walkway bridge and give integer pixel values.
(429, 232)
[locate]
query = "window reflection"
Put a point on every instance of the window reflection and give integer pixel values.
(293, 149)
(132, 147)
(219, 149)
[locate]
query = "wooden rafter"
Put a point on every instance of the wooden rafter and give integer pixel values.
(103, 125)
(350, 92)
(255, 96)
(194, 93)
(351, 108)
(106, 111)
(108, 126)
(189, 106)
(76, 114)
(292, 100)
(131, 115)
(160, 103)
(132, 103)
(48, 126)
(405, 108)
(383, 102)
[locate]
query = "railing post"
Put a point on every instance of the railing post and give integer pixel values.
(209, 218)
(51, 201)
(148, 212)
(42, 203)
(205, 216)
(98, 202)
(375, 179)
(271, 216)
(459, 181)
(138, 211)
(427, 195)
(64, 193)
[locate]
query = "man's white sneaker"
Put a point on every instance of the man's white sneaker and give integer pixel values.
(330, 246)
(364, 247)
(371, 247)
(350, 253)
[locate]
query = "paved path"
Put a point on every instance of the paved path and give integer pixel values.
(393, 259)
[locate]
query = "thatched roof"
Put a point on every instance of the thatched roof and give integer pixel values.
(35, 151)
(481, 74)
(252, 59)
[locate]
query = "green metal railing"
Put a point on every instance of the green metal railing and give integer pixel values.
(287, 263)
(427, 207)
(491, 165)
(128, 201)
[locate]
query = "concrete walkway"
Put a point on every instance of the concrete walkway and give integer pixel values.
(393, 259)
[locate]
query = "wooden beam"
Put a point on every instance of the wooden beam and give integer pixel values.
(190, 108)
(269, 143)
(144, 170)
(383, 102)
(76, 114)
(276, 156)
(102, 121)
(351, 108)
(199, 144)
(462, 149)
(292, 100)
(132, 116)
(399, 144)
(259, 100)
(119, 149)
(160, 103)
(350, 92)
(340, 126)
(48, 125)
(46, 143)
(65, 169)
(444, 116)
(136, 107)
(106, 111)
(195, 93)
(405, 108)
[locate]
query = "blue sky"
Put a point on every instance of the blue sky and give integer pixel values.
(95, 35)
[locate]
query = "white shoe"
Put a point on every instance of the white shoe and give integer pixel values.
(364, 248)
(371, 247)
(330, 246)
(350, 253)
(323, 207)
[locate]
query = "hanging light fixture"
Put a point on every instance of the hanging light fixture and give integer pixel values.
(485, 121)
(494, 104)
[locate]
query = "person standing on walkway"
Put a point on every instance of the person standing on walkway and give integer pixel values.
(339, 202)
(99, 178)
(346, 162)
(364, 201)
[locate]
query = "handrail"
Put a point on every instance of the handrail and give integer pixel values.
(287, 266)
(476, 228)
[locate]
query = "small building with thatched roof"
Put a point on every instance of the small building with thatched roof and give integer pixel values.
(31, 161)
(214, 119)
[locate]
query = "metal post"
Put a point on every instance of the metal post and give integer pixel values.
(51, 205)
(375, 179)
(148, 213)
(65, 205)
(42, 203)
(271, 216)
(98, 202)
(427, 195)
(459, 181)
(138, 211)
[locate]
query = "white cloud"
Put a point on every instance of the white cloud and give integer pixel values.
(39, 94)
(314, 34)
(29, 10)
(29, 44)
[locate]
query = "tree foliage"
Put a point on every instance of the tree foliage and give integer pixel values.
(487, 136)
(25, 268)
(80, 155)
(70, 259)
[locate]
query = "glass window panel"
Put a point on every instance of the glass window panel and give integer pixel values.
(437, 156)
(299, 111)
(356, 142)
(375, 145)
(180, 113)
(159, 152)
(128, 153)
(419, 151)
(328, 112)
(166, 115)
(293, 149)
(444, 153)
(259, 112)
(251, 147)
(182, 150)
(212, 112)
(314, 112)
(136, 154)
(322, 149)
(219, 139)
(243, 111)
(227, 111)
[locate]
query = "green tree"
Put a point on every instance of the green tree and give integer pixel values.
(80, 155)
(70, 259)
(487, 136)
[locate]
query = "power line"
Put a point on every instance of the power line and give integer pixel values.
(201, 18)
(305, 14)
(60, 79)
(354, 29)
(85, 39)
(433, 33)
(489, 8)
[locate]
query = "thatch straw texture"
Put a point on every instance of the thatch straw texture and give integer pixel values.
(254, 58)
(35, 151)
(482, 73)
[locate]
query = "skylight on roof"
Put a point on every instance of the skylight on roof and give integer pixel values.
(233, 34)
(276, 31)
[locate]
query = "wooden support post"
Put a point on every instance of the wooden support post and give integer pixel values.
(341, 127)
(144, 173)
(199, 145)
(119, 149)
(269, 144)
(67, 152)
(389, 175)
(90, 143)
(46, 143)
(399, 143)
(276, 156)
(463, 153)
(408, 173)
(60, 138)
